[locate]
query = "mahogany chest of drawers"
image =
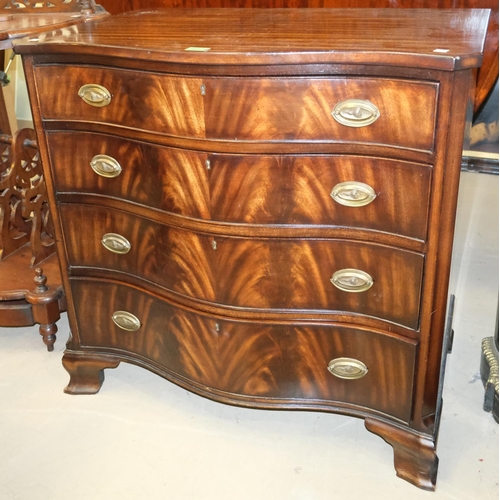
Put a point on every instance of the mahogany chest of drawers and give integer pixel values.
(259, 205)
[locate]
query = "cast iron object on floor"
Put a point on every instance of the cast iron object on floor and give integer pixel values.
(489, 372)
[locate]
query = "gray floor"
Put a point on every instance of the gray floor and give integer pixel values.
(142, 437)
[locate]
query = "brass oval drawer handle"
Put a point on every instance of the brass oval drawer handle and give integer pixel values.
(105, 166)
(355, 113)
(126, 321)
(116, 243)
(353, 194)
(352, 280)
(95, 95)
(347, 368)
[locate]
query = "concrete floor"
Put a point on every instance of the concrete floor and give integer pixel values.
(142, 437)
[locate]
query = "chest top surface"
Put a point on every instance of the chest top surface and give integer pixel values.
(427, 38)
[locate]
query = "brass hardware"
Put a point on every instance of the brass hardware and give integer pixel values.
(347, 368)
(105, 166)
(126, 321)
(353, 194)
(116, 243)
(203, 89)
(352, 280)
(355, 113)
(95, 95)
(214, 244)
(217, 327)
(207, 164)
(490, 352)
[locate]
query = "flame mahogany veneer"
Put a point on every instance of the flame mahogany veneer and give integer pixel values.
(259, 205)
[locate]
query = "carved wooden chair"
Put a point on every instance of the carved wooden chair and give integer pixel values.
(26, 241)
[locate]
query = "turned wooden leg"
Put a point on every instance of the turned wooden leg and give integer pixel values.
(48, 333)
(86, 371)
(415, 458)
(45, 307)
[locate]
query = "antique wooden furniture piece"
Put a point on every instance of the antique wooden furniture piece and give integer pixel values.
(487, 74)
(33, 17)
(259, 205)
(30, 17)
(26, 239)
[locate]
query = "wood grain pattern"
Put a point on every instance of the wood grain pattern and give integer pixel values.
(249, 305)
(152, 176)
(120, 6)
(250, 359)
(164, 104)
(246, 109)
(415, 458)
(390, 37)
(256, 189)
(442, 220)
(87, 377)
(252, 273)
(487, 75)
(274, 109)
(296, 190)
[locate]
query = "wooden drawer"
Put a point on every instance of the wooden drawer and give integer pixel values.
(147, 101)
(286, 109)
(351, 191)
(251, 273)
(248, 361)
(251, 189)
(248, 109)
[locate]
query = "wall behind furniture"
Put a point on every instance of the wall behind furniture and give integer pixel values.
(22, 105)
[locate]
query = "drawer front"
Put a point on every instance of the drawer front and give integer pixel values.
(350, 191)
(169, 179)
(147, 101)
(251, 273)
(286, 109)
(318, 190)
(245, 109)
(254, 360)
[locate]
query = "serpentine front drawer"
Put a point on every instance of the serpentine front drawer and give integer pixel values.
(321, 190)
(270, 363)
(292, 273)
(343, 109)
